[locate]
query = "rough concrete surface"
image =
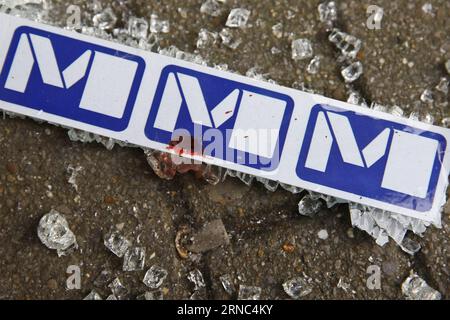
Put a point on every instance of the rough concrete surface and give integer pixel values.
(269, 241)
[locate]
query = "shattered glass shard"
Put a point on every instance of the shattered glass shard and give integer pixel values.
(206, 39)
(327, 11)
(105, 20)
(347, 44)
(212, 8)
(355, 98)
(245, 178)
(314, 65)
(238, 18)
(292, 189)
(103, 278)
(154, 277)
(352, 72)
(277, 30)
(396, 111)
(138, 27)
(93, 295)
(301, 49)
(161, 163)
(270, 185)
(227, 283)
(410, 246)
(415, 288)
(54, 233)
(118, 289)
(151, 295)
(74, 171)
(214, 174)
(427, 96)
(212, 235)
(196, 277)
(442, 86)
(157, 25)
(134, 259)
(117, 243)
(309, 206)
(297, 287)
(249, 292)
(229, 39)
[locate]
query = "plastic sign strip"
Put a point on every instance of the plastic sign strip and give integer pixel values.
(243, 124)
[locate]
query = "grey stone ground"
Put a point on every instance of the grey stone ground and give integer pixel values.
(119, 187)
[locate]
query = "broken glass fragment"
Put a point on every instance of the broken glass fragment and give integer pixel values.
(277, 30)
(410, 246)
(154, 277)
(118, 289)
(352, 72)
(74, 171)
(446, 122)
(328, 13)
(301, 49)
(111, 297)
(421, 115)
(342, 284)
(238, 18)
(292, 189)
(206, 39)
(396, 111)
(249, 292)
(355, 97)
(151, 295)
(314, 65)
(427, 96)
(137, 27)
(270, 185)
(212, 235)
(297, 287)
(245, 178)
(134, 259)
(442, 86)
(93, 295)
(105, 20)
(54, 233)
(196, 277)
(161, 163)
(378, 107)
(309, 207)
(229, 39)
(415, 288)
(212, 8)
(348, 44)
(157, 25)
(275, 50)
(214, 174)
(428, 9)
(103, 278)
(117, 243)
(227, 283)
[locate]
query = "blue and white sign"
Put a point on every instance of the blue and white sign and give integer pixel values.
(241, 124)
(71, 78)
(373, 158)
(250, 122)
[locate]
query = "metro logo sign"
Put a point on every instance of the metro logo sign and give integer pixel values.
(372, 158)
(86, 82)
(197, 113)
(250, 122)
